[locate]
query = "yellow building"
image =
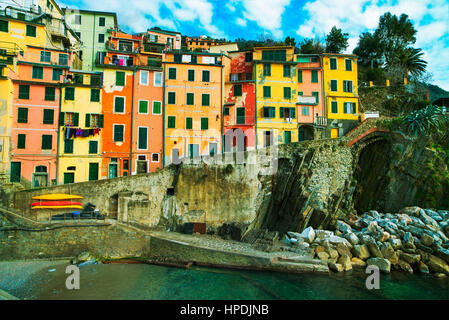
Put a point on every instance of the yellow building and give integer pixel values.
(201, 43)
(340, 92)
(80, 128)
(193, 88)
(276, 95)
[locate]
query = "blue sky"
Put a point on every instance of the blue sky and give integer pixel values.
(280, 18)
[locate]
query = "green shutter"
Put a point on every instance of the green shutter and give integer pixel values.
(333, 64)
(57, 74)
(118, 133)
(206, 76)
(119, 105)
(156, 107)
(281, 112)
(22, 115)
(46, 142)
(205, 99)
(171, 98)
(348, 65)
(226, 111)
(143, 137)
(63, 59)
(93, 171)
(237, 90)
(68, 146)
(50, 94)
(4, 26)
(24, 91)
(266, 92)
(120, 78)
(75, 119)
(69, 177)
(204, 123)
(190, 99)
(87, 123)
(334, 86)
(171, 122)
(143, 106)
(93, 147)
(15, 171)
(189, 123)
(293, 112)
(101, 121)
(49, 115)
(38, 73)
(314, 76)
(31, 31)
(287, 93)
(21, 141)
(172, 73)
(316, 95)
(300, 76)
(334, 107)
(61, 118)
(191, 75)
(69, 93)
(95, 95)
(240, 115)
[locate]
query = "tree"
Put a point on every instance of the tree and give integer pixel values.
(311, 46)
(336, 41)
(367, 50)
(408, 61)
(290, 42)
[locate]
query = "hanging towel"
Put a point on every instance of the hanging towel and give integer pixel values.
(85, 133)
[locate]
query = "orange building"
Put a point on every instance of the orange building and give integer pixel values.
(311, 114)
(201, 43)
(194, 91)
(170, 39)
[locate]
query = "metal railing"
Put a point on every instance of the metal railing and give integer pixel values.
(321, 121)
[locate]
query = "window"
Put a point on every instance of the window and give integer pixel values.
(240, 115)
(155, 157)
(287, 113)
(234, 77)
(31, 31)
(45, 56)
(334, 107)
(172, 73)
(333, 63)
(69, 177)
(205, 99)
(78, 34)
(269, 112)
(189, 123)
(300, 93)
(95, 95)
(57, 74)
(4, 26)
(287, 93)
(78, 78)
(24, 91)
(267, 69)
(69, 119)
(119, 78)
(347, 85)
(143, 106)
(249, 76)
(38, 72)
(172, 98)
(305, 111)
(63, 59)
(69, 93)
(142, 138)
(93, 147)
(119, 104)
(299, 76)
(190, 99)
(350, 108)
(157, 107)
(191, 75)
(171, 122)
(158, 79)
(248, 56)
(314, 76)
(267, 92)
(46, 141)
(316, 95)
(204, 123)
(77, 19)
(50, 94)
(68, 146)
(226, 111)
(119, 132)
(22, 115)
(102, 21)
(93, 171)
(334, 85)
(237, 90)
(348, 65)
(95, 80)
(206, 75)
(287, 71)
(15, 171)
(21, 141)
(144, 75)
(94, 120)
(49, 116)
(101, 38)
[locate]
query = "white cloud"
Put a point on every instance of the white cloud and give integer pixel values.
(241, 22)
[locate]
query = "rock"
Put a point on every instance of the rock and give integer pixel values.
(345, 262)
(404, 219)
(422, 267)
(436, 264)
(374, 214)
(384, 237)
(352, 238)
(361, 251)
(343, 250)
(410, 258)
(415, 230)
(308, 234)
(443, 254)
(372, 227)
(319, 249)
(324, 256)
(434, 215)
(410, 211)
(395, 243)
(405, 266)
(336, 240)
(440, 275)
(338, 233)
(336, 267)
(295, 235)
(426, 239)
(408, 249)
(83, 257)
(343, 226)
(389, 253)
(358, 263)
(408, 238)
(322, 234)
(421, 246)
(332, 253)
(374, 249)
(384, 265)
(428, 220)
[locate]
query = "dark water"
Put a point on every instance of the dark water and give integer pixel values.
(140, 281)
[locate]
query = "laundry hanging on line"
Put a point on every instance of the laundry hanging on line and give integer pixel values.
(78, 132)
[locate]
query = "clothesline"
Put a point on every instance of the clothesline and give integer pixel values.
(78, 132)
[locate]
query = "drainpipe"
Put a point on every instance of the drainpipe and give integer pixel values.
(324, 93)
(163, 117)
(93, 48)
(132, 118)
(58, 136)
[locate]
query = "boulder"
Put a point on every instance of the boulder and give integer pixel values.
(422, 267)
(343, 226)
(434, 215)
(384, 265)
(361, 251)
(324, 256)
(426, 239)
(384, 237)
(343, 250)
(352, 238)
(358, 263)
(440, 275)
(410, 211)
(345, 262)
(372, 227)
(374, 249)
(83, 257)
(374, 214)
(322, 234)
(443, 254)
(336, 240)
(295, 235)
(436, 264)
(428, 220)
(389, 253)
(395, 243)
(336, 267)
(319, 249)
(332, 253)
(404, 219)
(308, 234)
(410, 258)
(405, 266)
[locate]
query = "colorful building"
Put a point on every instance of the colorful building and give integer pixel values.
(240, 100)
(340, 93)
(276, 95)
(194, 91)
(93, 28)
(201, 43)
(80, 127)
(310, 114)
(170, 39)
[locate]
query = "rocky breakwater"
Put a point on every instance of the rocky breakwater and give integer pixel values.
(412, 240)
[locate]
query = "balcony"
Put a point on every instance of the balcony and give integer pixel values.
(8, 48)
(153, 47)
(123, 61)
(275, 57)
(321, 121)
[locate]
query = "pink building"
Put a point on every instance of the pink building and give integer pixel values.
(35, 115)
(311, 113)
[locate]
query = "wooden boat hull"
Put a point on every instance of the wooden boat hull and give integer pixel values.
(57, 207)
(57, 196)
(56, 203)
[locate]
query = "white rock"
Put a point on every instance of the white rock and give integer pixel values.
(343, 226)
(352, 238)
(308, 234)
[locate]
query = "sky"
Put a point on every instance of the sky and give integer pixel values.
(300, 19)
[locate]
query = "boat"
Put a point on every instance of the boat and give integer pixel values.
(57, 196)
(57, 203)
(58, 207)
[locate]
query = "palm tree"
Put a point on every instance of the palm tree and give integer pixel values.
(409, 60)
